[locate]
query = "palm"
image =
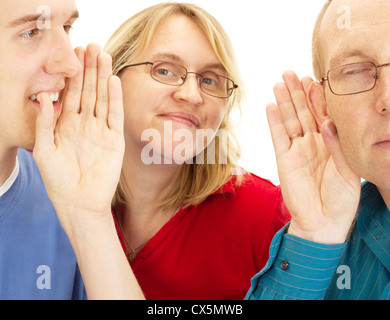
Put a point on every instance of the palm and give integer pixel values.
(88, 154)
(80, 159)
(318, 187)
(306, 162)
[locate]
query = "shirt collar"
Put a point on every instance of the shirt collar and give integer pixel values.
(374, 223)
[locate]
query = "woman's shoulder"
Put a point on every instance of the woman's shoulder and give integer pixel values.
(249, 184)
(248, 190)
(249, 198)
(262, 199)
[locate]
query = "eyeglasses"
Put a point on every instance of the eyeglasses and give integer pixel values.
(353, 78)
(174, 74)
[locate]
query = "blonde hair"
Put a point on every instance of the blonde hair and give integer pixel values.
(317, 50)
(197, 181)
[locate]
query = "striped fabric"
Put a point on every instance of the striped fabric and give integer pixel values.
(359, 269)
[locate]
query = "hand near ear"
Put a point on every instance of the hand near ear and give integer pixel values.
(320, 190)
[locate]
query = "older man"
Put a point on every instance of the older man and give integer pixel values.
(325, 252)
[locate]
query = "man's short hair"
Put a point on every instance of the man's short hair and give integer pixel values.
(317, 50)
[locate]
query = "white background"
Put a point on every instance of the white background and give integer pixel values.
(269, 37)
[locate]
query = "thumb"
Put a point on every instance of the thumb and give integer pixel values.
(44, 127)
(331, 140)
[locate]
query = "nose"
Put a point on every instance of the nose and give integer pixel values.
(383, 83)
(190, 90)
(61, 58)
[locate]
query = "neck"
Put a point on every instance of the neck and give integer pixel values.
(146, 186)
(7, 163)
(385, 193)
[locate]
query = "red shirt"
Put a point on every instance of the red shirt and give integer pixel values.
(211, 251)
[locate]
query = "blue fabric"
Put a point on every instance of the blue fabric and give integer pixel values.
(358, 269)
(36, 258)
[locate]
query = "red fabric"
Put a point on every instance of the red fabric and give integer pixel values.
(211, 251)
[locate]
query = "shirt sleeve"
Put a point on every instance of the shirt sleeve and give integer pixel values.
(296, 269)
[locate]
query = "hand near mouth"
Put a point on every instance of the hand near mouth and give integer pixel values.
(80, 160)
(84, 151)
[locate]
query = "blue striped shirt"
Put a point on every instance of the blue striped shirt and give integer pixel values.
(358, 269)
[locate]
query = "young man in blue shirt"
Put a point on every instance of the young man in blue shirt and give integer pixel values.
(327, 136)
(78, 146)
(36, 258)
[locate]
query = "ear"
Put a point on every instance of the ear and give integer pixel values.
(317, 104)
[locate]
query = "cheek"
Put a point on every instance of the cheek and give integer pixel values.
(140, 117)
(21, 66)
(135, 105)
(215, 116)
(135, 121)
(204, 137)
(18, 115)
(14, 104)
(347, 117)
(353, 131)
(17, 122)
(24, 75)
(350, 141)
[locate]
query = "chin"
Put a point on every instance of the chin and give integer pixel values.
(379, 176)
(28, 142)
(29, 147)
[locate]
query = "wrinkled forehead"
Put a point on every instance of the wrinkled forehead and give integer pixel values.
(356, 29)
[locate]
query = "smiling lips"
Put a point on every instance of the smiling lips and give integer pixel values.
(181, 117)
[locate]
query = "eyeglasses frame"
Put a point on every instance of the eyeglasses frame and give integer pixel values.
(349, 64)
(184, 78)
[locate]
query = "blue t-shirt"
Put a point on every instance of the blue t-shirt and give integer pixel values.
(36, 258)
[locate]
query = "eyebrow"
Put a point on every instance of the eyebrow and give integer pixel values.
(338, 60)
(35, 17)
(168, 56)
(176, 58)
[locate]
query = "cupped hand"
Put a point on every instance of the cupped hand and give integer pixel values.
(80, 156)
(319, 188)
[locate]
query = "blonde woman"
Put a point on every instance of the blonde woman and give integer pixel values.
(192, 224)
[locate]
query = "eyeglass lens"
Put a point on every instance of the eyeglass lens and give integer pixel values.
(352, 78)
(174, 74)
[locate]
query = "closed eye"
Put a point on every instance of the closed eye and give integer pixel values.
(352, 72)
